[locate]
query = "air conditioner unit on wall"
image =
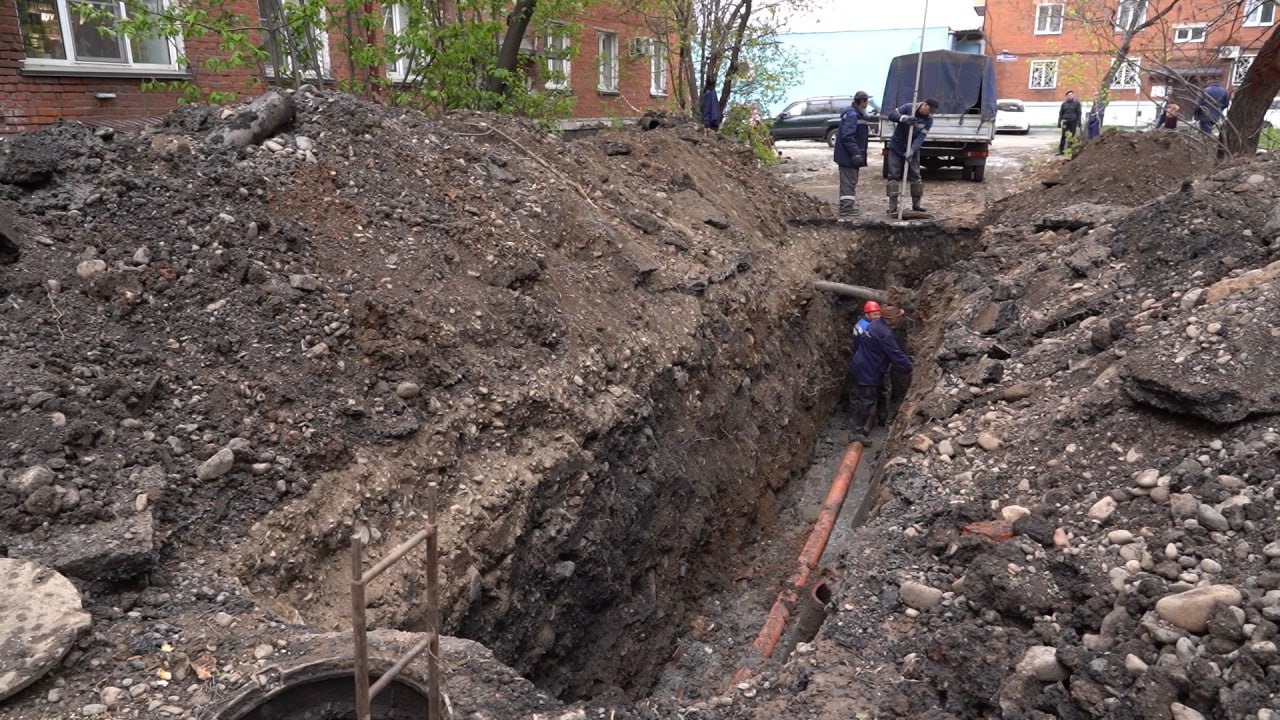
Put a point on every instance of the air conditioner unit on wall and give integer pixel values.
(640, 47)
(1228, 52)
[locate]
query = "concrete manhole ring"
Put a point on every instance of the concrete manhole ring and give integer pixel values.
(40, 618)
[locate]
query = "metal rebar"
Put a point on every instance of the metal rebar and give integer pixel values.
(390, 675)
(400, 551)
(434, 704)
(358, 628)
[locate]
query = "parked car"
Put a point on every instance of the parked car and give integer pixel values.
(814, 118)
(1011, 116)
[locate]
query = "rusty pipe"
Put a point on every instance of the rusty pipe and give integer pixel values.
(767, 640)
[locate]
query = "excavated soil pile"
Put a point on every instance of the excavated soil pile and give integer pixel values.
(1115, 168)
(1081, 519)
(217, 364)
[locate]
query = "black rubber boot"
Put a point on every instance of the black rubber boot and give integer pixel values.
(892, 190)
(917, 192)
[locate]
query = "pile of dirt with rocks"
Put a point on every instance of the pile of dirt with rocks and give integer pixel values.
(218, 363)
(1116, 168)
(1080, 520)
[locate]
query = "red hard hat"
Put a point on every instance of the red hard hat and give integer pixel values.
(871, 306)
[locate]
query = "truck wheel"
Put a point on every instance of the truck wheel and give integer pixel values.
(978, 173)
(831, 137)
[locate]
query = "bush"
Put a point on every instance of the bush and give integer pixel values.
(739, 124)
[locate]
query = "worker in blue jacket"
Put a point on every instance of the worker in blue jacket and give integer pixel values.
(875, 348)
(1209, 112)
(917, 123)
(851, 151)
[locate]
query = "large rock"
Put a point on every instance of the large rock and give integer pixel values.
(106, 552)
(265, 116)
(218, 465)
(1042, 662)
(919, 596)
(1251, 279)
(40, 619)
(1080, 215)
(1191, 610)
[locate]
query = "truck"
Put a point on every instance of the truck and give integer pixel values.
(964, 124)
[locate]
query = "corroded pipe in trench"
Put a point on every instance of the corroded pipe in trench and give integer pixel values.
(767, 640)
(856, 291)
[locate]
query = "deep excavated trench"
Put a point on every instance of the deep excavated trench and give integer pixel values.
(684, 499)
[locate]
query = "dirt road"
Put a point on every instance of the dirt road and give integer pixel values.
(808, 166)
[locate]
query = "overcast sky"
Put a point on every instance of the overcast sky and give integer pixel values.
(837, 15)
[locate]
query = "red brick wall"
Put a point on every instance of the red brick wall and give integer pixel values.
(633, 97)
(1084, 51)
(28, 101)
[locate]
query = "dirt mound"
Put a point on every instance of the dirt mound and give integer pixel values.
(1089, 480)
(216, 365)
(1116, 168)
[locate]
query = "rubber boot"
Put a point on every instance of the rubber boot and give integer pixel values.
(892, 189)
(917, 192)
(848, 208)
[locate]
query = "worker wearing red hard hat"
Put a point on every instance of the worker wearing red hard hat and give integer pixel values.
(874, 349)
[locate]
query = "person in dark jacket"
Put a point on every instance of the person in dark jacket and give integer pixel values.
(851, 151)
(916, 123)
(1093, 125)
(1213, 104)
(875, 349)
(712, 115)
(1068, 119)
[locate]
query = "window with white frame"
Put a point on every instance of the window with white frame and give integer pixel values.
(1044, 75)
(607, 61)
(1240, 68)
(1190, 33)
(1130, 14)
(658, 69)
(1049, 19)
(287, 47)
(1126, 77)
(70, 33)
(1259, 12)
(556, 49)
(395, 20)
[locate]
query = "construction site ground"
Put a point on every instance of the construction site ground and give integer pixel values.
(218, 363)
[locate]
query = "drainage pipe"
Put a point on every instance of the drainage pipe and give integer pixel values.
(810, 615)
(767, 640)
(856, 291)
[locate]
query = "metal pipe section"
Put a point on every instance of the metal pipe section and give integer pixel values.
(854, 291)
(809, 557)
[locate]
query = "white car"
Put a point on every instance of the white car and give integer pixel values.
(1011, 116)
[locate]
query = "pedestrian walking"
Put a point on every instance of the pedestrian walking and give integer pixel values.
(851, 151)
(875, 348)
(1069, 114)
(1214, 101)
(917, 123)
(712, 115)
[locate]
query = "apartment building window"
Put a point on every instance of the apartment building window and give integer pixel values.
(1130, 14)
(1127, 77)
(1044, 75)
(1190, 33)
(1240, 68)
(1258, 13)
(658, 69)
(395, 19)
(607, 61)
(1049, 19)
(67, 33)
(290, 49)
(557, 53)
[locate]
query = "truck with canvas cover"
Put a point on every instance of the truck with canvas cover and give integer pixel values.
(964, 123)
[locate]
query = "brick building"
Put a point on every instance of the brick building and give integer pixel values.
(55, 64)
(1043, 48)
